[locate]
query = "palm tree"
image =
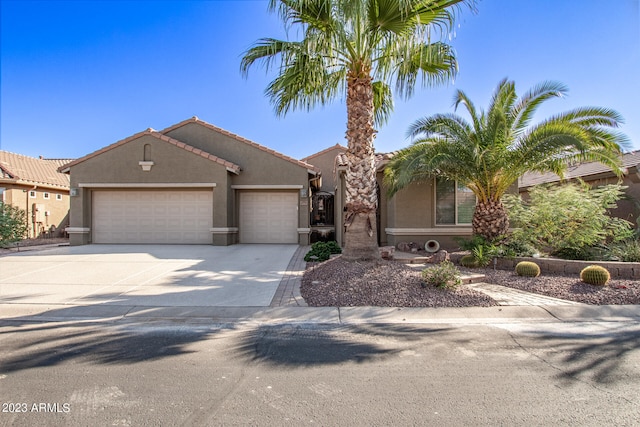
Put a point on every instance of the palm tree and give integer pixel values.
(356, 49)
(489, 154)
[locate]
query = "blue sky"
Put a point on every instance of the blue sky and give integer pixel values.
(79, 75)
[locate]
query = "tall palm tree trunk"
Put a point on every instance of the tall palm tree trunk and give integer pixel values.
(361, 200)
(490, 219)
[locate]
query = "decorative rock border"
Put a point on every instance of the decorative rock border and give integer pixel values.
(621, 270)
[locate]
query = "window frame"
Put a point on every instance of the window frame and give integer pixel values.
(46, 195)
(33, 194)
(456, 205)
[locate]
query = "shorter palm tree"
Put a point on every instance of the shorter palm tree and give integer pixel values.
(491, 152)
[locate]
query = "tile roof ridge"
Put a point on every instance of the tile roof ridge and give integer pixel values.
(237, 137)
(65, 168)
(156, 134)
(229, 165)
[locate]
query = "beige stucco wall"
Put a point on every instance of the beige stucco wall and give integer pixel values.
(57, 210)
(411, 218)
(118, 166)
(325, 161)
(258, 166)
(261, 171)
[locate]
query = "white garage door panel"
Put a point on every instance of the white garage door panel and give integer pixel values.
(179, 217)
(268, 217)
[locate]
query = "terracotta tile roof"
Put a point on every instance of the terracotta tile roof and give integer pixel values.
(194, 119)
(232, 167)
(20, 169)
(583, 170)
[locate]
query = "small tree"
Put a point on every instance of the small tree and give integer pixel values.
(491, 151)
(567, 219)
(13, 224)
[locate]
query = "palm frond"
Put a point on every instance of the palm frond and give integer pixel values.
(268, 51)
(491, 153)
(434, 63)
(382, 102)
(528, 104)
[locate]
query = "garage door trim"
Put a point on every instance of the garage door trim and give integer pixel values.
(152, 216)
(267, 222)
(149, 185)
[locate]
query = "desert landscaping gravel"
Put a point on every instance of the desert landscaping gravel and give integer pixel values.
(617, 291)
(338, 283)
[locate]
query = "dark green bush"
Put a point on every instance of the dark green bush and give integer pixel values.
(13, 224)
(482, 250)
(626, 251)
(516, 248)
(323, 251)
(469, 244)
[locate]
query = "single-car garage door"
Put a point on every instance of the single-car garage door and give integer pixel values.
(158, 216)
(268, 217)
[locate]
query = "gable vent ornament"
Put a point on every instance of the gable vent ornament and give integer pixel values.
(146, 165)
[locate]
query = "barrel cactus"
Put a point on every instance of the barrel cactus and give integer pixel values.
(595, 275)
(528, 269)
(469, 261)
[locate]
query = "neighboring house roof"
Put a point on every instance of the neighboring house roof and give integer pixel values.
(326, 150)
(25, 170)
(231, 167)
(381, 160)
(630, 160)
(312, 169)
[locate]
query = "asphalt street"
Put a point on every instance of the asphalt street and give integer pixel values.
(171, 373)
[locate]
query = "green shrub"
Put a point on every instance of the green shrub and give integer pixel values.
(568, 220)
(481, 249)
(443, 275)
(469, 244)
(626, 251)
(484, 254)
(322, 251)
(595, 275)
(469, 261)
(516, 248)
(583, 253)
(13, 224)
(528, 269)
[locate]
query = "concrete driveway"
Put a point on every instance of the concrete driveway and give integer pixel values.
(145, 276)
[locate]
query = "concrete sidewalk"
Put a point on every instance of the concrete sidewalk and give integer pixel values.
(12, 314)
(287, 306)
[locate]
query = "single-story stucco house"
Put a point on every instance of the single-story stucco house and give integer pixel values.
(191, 183)
(441, 210)
(195, 183)
(434, 211)
(35, 186)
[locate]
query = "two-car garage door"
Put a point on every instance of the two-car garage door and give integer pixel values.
(154, 216)
(186, 217)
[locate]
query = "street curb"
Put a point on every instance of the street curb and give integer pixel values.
(21, 313)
